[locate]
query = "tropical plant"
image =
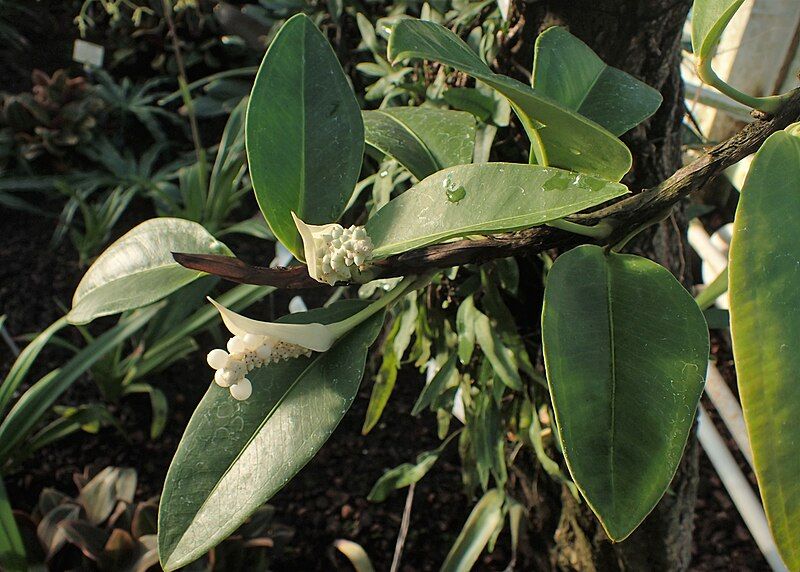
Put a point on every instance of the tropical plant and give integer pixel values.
(438, 254)
(104, 528)
(55, 119)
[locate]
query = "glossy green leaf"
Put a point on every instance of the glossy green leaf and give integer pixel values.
(12, 550)
(709, 19)
(483, 199)
(626, 350)
(138, 269)
(304, 134)
(38, 399)
(559, 137)
(765, 327)
(569, 72)
(478, 530)
(235, 455)
(423, 139)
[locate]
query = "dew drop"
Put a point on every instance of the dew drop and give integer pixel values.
(457, 194)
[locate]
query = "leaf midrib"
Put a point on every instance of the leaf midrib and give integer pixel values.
(269, 415)
(613, 374)
(480, 229)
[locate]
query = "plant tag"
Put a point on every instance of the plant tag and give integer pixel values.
(88, 53)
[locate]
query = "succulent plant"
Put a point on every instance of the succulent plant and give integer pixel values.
(104, 529)
(55, 118)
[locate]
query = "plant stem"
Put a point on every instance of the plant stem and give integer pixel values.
(406, 285)
(183, 84)
(600, 230)
(769, 104)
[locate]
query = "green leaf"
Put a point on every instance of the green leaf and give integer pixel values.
(235, 455)
(626, 350)
(483, 199)
(709, 19)
(100, 495)
(24, 361)
(424, 140)
(708, 296)
(138, 269)
(443, 379)
(12, 550)
(559, 136)
(502, 359)
(569, 72)
(381, 391)
(405, 475)
(479, 528)
(36, 401)
(765, 327)
(304, 134)
(466, 317)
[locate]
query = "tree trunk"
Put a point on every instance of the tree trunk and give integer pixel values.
(641, 37)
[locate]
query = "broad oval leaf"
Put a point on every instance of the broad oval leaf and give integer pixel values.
(138, 269)
(304, 134)
(709, 19)
(483, 198)
(569, 72)
(424, 140)
(625, 349)
(235, 455)
(765, 326)
(481, 524)
(568, 139)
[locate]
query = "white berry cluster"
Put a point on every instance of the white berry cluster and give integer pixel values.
(245, 353)
(339, 250)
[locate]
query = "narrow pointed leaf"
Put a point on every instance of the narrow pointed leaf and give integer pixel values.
(569, 140)
(24, 361)
(709, 19)
(765, 327)
(477, 531)
(485, 198)
(424, 140)
(569, 72)
(38, 399)
(138, 269)
(12, 550)
(626, 349)
(304, 134)
(235, 455)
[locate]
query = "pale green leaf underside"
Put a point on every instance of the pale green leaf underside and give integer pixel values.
(138, 268)
(481, 524)
(235, 455)
(497, 197)
(764, 279)
(422, 139)
(709, 19)
(569, 72)
(625, 349)
(570, 140)
(304, 134)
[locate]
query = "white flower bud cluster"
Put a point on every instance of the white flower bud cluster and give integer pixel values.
(244, 354)
(340, 250)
